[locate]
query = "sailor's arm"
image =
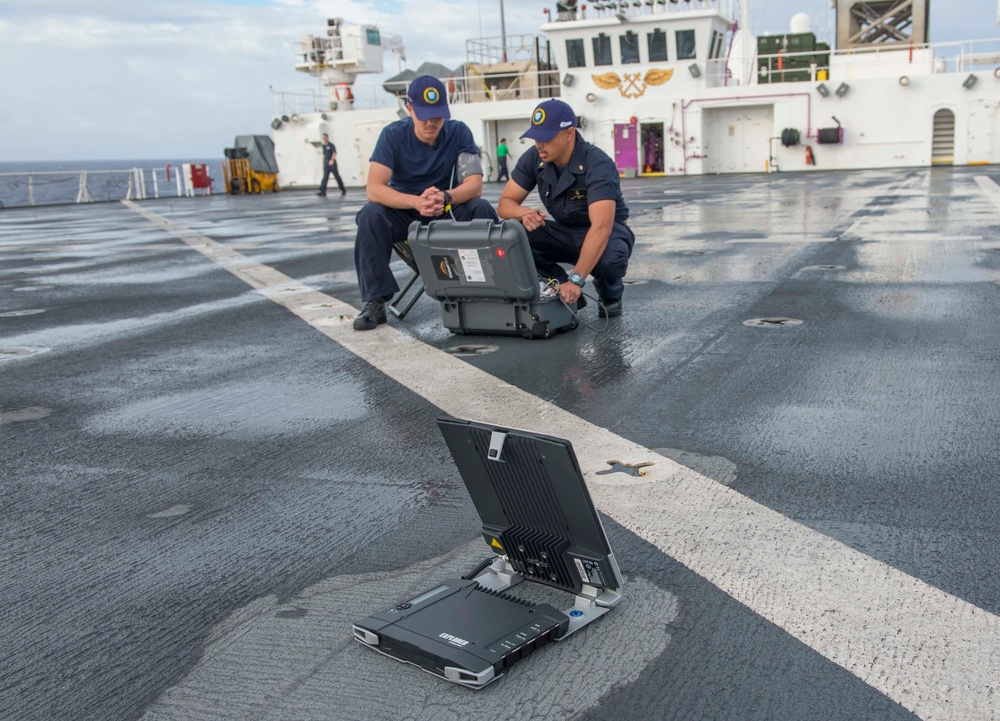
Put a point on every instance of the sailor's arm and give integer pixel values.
(378, 189)
(602, 220)
(511, 208)
(470, 179)
(470, 185)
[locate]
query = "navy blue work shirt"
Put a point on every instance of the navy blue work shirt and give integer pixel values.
(567, 192)
(328, 150)
(416, 165)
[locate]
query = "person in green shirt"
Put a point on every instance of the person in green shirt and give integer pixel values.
(502, 154)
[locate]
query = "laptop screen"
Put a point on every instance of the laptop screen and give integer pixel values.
(533, 503)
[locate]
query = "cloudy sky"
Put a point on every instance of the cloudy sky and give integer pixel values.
(121, 79)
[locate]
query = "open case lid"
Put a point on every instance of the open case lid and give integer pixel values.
(475, 259)
(534, 504)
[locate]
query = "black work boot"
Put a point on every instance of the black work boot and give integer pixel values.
(609, 308)
(371, 316)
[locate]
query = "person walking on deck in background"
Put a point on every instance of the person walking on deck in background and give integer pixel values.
(583, 222)
(502, 154)
(330, 167)
(410, 178)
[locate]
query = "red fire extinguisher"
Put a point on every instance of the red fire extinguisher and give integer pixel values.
(810, 160)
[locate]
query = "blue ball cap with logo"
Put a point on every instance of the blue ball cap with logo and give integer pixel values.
(549, 119)
(427, 97)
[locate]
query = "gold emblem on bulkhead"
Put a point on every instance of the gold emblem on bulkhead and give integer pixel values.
(631, 86)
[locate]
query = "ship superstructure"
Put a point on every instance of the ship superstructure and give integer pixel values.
(684, 87)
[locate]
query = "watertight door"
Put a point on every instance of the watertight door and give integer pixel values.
(737, 139)
(984, 121)
(626, 149)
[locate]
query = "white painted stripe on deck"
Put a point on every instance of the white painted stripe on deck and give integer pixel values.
(990, 188)
(933, 653)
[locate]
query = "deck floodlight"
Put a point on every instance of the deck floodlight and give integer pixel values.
(276, 123)
(842, 90)
(568, 79)
(695, 70)
(823, 90)
(970, 81)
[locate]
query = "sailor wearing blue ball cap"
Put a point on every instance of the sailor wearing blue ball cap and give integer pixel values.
(582, 221)
(424, 167)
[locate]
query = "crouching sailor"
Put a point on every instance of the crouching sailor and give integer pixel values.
(583, 221)
(410, 178)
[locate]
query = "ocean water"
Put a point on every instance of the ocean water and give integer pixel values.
(56, 182)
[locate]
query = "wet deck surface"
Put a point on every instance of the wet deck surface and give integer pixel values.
(206, 476)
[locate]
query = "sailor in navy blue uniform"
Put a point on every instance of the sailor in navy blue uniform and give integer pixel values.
(411, 178)
(330, 167)
(583, 222)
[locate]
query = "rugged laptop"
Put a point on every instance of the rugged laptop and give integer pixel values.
(538, 517)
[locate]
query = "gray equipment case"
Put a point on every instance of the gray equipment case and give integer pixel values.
(484, 276)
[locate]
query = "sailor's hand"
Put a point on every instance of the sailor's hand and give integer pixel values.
(431, 203)
(570, 292)
(533, 220)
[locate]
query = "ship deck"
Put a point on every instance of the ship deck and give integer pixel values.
(207, 475)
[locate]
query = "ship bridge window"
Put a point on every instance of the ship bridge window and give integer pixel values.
(714, 47)
(602, 49)
(574, 54)
(657, 41)
(372, 36)
(685, 45)
(630, 47)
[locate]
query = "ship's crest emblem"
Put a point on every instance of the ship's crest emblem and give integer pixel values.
(633, 85)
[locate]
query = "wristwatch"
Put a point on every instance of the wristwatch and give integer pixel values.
(577, 278)
(447, 199)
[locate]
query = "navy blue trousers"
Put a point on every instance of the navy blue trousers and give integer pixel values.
(554, 243)
(329, 170)
(379, 228)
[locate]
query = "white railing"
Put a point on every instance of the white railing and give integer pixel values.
(511, 49)
(948, 57)
(54, 187)
(471, 87)
(602, 9)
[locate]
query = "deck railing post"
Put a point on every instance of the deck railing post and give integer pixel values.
(83, 194)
